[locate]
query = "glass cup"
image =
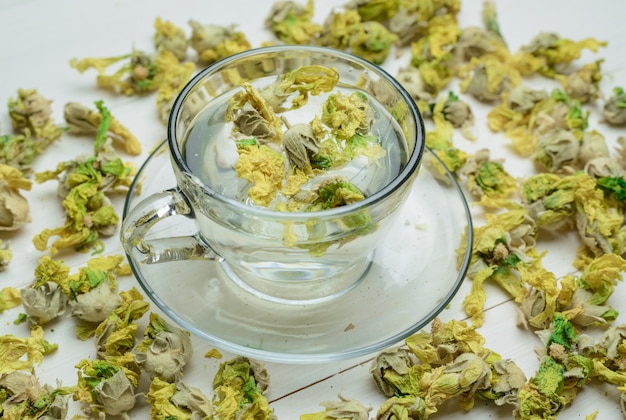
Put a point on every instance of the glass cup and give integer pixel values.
(291, 257)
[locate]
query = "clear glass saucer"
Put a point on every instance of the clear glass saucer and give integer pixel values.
(414, 275)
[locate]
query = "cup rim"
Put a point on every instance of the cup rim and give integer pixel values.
(407, 172)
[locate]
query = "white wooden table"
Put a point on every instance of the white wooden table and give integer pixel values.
(39, 37)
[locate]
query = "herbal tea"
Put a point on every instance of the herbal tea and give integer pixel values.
(288, 145)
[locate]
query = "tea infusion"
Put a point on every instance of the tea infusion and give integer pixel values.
(298, 142)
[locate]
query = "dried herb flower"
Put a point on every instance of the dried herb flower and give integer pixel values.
(292, 22)
(614, 111)
(31, 116)
(339, 27)
(23, 397)
(177, 400)
(239, 386)
(582, 85)
(372, 41)
(164, 351)
(84, 121)
(9, 298)
(376, 10)
(44, 303)
(300, 145)
(105, 387)
(345, 409)
(213, 42)
(23, 353)
(171, 38)
(14, 208)
(555, 53)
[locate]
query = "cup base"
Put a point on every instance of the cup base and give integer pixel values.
(302, 286)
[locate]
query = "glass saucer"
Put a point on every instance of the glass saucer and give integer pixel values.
(414, 275)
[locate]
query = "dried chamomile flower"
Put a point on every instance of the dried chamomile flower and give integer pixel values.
(31, 116)
(164, 351)
(555, 53)
(239, 386)
(487, 179)
(291, 22)
(23, 397)
(214, 42)
(372, 41)
(170, 37)
(9, 298)
(557, 151)
(177, 400)
(582, 85)
(23, 353)
(347, 115)
(44, 303)
(105, 387)
(14, 207)
(377, 10)
(614, 111)
(487, 78)
(345, 409)
(305, 81)
(300, 145)
(82, 120)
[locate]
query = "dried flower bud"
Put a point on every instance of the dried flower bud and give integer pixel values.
(523, 99)
(557, 149)
(116, 394)
(171, 38)
(614, 111)
(193, 399)
(96, 304)
(398, 360)
(213, 42)
(14, 208)
(166, 356)
(300, 144)
(44, 303)
(411, 79)
(458, 113)
(164, 351)
(345, 409)
(592, 146)
(604, 167)
(411, 405)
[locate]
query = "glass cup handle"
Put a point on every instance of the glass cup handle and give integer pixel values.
(150, 211)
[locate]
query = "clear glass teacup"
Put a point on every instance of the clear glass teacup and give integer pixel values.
(300, 226)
